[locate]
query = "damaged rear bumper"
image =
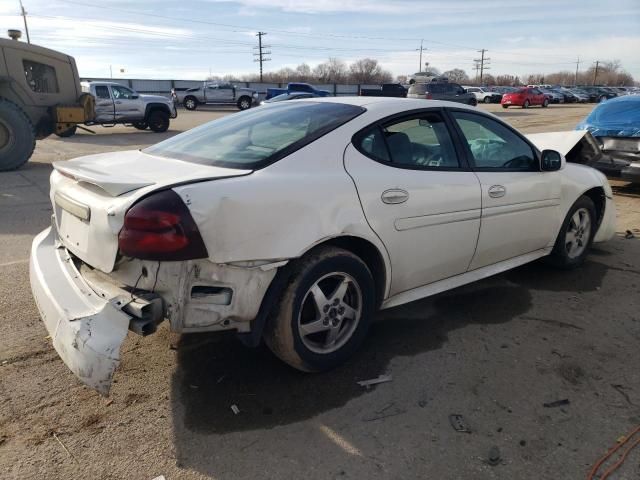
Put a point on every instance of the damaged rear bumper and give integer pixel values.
(86, 328)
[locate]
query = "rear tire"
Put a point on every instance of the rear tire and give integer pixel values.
(140, 125)
(324, 312)
(68, 133)
(244, 103)
(505, 106)
(525, 104)
(17, 136)
(575, 236)
(190, 103)
(487, 100)
(473, 102)
(158, 121)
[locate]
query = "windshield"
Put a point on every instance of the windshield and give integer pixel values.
(256, 137)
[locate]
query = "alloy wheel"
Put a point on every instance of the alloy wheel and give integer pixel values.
(578, 233)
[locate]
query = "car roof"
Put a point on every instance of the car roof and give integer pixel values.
(392, 105)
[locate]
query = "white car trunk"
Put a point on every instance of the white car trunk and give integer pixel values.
(90, 196)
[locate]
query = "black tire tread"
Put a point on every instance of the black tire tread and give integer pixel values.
(14, 163)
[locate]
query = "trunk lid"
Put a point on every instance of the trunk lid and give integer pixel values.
(91, 195)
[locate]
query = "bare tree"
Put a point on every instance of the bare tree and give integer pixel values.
(331, 71)
(456, 75)
(367, 70)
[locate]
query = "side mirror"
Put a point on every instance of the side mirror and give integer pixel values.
(551, 161)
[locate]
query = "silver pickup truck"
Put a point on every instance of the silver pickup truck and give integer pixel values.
(116, 103)
(218, 94)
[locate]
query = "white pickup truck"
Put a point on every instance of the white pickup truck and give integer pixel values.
(116, 103)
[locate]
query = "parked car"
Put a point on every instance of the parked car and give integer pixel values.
(451, 92)
(289, 96)
(598, 94)
(116, 103)
(218, 94)
(616, 125)
(568, 95)
(581, 95)
(385, 90)
(484, 95)
(248, 239)
(553, 95)
(525, 97)
(296, 87)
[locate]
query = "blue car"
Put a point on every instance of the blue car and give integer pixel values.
(615, 124)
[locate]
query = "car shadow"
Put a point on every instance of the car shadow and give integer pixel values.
(507, 113)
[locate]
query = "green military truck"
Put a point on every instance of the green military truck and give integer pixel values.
(40, 94)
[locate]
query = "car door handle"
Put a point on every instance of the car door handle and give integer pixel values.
(395, 196)
(118, 102)
(497, 191)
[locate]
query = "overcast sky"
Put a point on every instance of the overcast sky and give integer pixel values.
(189, 39)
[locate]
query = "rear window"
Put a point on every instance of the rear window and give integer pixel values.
(257, 137)
(418, 88)
(522, 90)
(41, 78)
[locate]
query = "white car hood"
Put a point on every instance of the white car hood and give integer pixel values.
(562, 142)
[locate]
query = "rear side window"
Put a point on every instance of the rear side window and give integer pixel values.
(102, 91)
(40, 77)
(256, 137)
(417, 143)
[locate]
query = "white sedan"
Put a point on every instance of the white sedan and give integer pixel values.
(294, 222)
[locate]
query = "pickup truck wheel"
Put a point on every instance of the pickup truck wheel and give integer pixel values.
(324, 312)
(487, 100)
(244, 103)
(141, 125)
(68, 133)
(576, 235)
(17, 136)
(158, 121)
(190, 103)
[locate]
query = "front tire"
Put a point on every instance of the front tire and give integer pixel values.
(525, 104)
(473, 102)
(244, 103)
(324, 312)
(505, 106)
(545, 104)
(17, 136)
(576, 235)
(158, 121)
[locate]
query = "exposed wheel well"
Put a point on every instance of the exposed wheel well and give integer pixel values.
(598, 198)
(370, 255)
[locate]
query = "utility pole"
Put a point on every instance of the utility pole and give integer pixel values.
(261, 52)
(476, 66)
(24, 17)
(483, 63)
(420, 50)
(577, 66)
(595, 72)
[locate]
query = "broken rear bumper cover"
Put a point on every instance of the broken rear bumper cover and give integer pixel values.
(87, 329)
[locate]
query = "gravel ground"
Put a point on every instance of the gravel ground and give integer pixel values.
(494, 352)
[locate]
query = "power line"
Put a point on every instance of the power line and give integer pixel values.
(261, 52)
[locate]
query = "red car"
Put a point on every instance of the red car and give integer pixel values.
(525, 97)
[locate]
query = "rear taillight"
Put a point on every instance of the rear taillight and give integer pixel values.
(428, 96)
(160, 227)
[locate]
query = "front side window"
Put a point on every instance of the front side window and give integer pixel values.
(121, 93)
(419, 142)
(41, 78)
(493, 145)
(256, 137)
